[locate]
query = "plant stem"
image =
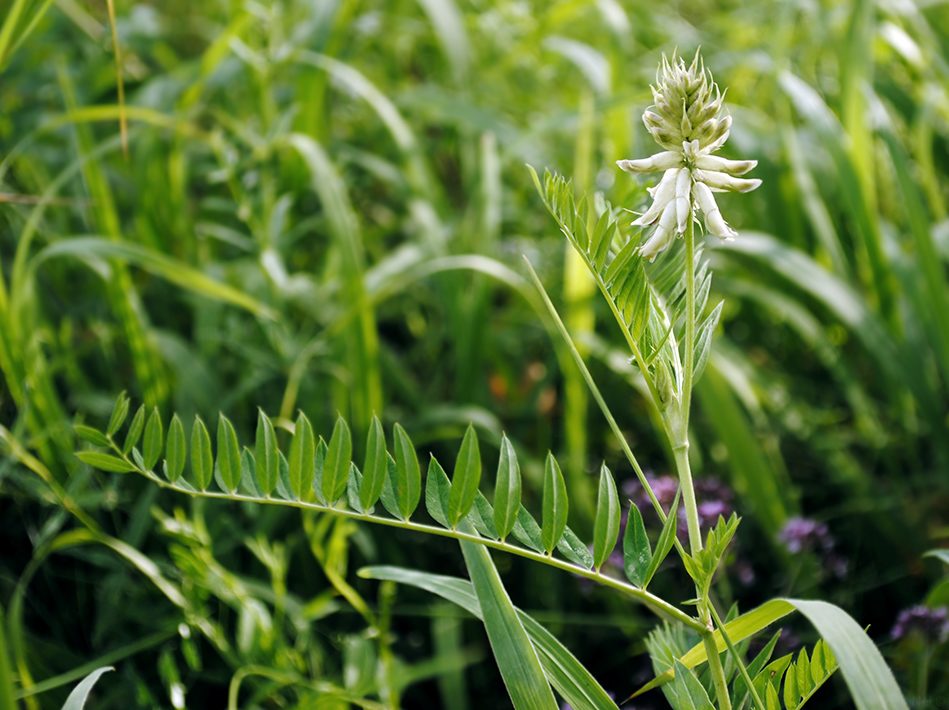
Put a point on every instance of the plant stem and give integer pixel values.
(718, 673)
(739, 661)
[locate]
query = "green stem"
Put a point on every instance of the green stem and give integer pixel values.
(718, 673)
(738, 659)
(681, 446)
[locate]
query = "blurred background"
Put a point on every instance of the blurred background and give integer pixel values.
(323, 205)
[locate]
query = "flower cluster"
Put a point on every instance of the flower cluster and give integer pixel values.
(805, 534)
(930, 624)
(686, 120)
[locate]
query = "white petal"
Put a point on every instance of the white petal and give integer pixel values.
(683, 199)
(661, 196)
(659, 161)
(722, 181)
(663, 235)
(733, 167)
(713, 216)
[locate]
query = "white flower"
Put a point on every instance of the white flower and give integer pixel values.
(686, 121)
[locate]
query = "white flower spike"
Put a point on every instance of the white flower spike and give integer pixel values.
(686, 120)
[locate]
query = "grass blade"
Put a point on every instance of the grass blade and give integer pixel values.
(77, 698)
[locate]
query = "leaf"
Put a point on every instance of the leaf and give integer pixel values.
(465, 480)
(571, 679)
(703, 341)
(135, 430)
(175, 451)
(507, 490)
(77, 698)
(338, 457)
(319, 460)
(154, 436)
(353, 482)
(527, 531)
(249, 483)
(482, 517)
(665, 542)
(93, 436)
(755, 666)
(555, 506)
(516, 657)
(202, 460)
(374, 470)
(575, 550)
(408, 481)
(119, 411)
(228, 454)
(437, 492)
(104, 462)
(302, 458)
(690, 693)
(606, 524)
(266, 460)
(637, 552)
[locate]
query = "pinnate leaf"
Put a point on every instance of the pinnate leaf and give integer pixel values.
(437, 491)
(202, 461)
(266, 458)
(374, 471)
(93, 436)
(154, 440)
(119, 413)
(467, 476)
(228, 454)
(104, 462)
(637, 552)
(135, 430)
(408, 483)
(175, 451)
(302, 457)
(507, 492)
(606, 524)
(555, 507)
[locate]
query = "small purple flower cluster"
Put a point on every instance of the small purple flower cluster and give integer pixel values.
(807, 535)
(930, 624)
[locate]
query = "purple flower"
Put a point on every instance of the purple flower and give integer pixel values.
(930, 624)
(808, 535)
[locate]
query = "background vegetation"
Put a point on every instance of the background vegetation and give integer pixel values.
(323, 205)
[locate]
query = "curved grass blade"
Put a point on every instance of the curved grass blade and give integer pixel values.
(516, 657)
(408, 489)
(266, 459)
(374, 470)
(202, 461)
(507, 491)
(228, 454)
(555, 506)
(606, 524)
(338, 457)
(465, 480)
(302, 458)
(77, 698)
(571, 679)
(175, 450)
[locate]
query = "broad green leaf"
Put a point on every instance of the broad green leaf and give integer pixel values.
(637, 552)
(119, 412)
(154, 439)
(513, 651)
(202, 461)
(339, 454)
(465, 480)
(507, 491)
(571, 679)
(374, 471)
(93, 436)
(266, 460)
(689, 691)
(408, 488)
(228, 454)
(135, 430)
(175, 450)
(77, 698)
(437, 492)
(606, 524)
(302, 457)
(104, 462)
(665, 542)
(555, 506)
